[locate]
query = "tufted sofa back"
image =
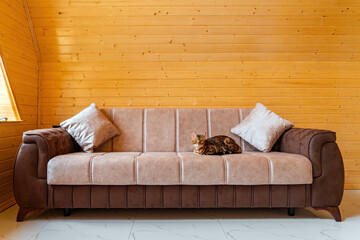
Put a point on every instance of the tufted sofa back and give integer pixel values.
(169, 129)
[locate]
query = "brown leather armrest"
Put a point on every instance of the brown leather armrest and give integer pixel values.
(328, 167)
(50, 143)
(307, 142)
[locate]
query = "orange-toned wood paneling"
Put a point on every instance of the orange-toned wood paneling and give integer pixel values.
(301, 58)
(21, 63)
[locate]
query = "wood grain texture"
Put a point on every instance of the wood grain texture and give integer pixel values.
(300, 58)
(8, 203)
(21, 63)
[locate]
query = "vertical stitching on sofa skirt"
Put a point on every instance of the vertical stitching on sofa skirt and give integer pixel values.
(234, 196)
(53, 197)
(290, 187)
(90, 187)
(144, 196)
(162, 196)
(288, 196)
(235, 193)
(270, 196)
(72, 196)
(309, 195)
(126, 196)
(209, 122)
(177, 130)
(48, 197)
(216, 196)
(108, 196)
(180, 196)
(241, 139)
(144, 130)
(198, 196)
(306, 195)
(252, 196)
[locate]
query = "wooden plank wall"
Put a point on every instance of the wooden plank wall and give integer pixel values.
(22, 69)
(301, 58)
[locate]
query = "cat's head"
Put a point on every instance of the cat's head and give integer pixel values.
(198, 139)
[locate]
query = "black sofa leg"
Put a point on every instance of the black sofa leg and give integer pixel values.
(67, 212)
(291, 211)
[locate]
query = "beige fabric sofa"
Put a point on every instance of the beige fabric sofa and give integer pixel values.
(152, 164)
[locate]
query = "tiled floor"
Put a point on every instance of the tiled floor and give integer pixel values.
(217, 224)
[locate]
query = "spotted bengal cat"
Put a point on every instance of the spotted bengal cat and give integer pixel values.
(217, 145)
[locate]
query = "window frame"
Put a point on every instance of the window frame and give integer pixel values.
(9, 90)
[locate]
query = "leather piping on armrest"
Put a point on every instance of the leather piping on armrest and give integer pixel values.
(50, 143)
(321, 172)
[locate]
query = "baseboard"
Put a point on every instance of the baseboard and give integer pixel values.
(8, 203)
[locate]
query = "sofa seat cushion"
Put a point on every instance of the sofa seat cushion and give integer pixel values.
(256, 168)
(92, 168)
(202, 169)
(184, 168)
(158, 168)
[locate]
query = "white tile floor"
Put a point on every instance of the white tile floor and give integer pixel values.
(217, 224)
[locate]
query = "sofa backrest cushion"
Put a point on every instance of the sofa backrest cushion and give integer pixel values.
(169, 129)
(190, 119)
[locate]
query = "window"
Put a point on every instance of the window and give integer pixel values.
(8, 109)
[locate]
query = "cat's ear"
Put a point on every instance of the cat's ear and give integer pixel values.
(205, 135)
(193, 135)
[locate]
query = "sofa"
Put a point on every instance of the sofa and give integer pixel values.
(151, 164)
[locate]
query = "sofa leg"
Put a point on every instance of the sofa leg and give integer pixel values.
(334, 211)
(291, 211)
(67, 212)
(23, 212)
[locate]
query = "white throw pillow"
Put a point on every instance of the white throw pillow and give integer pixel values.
(90, 128)
(262, 128)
